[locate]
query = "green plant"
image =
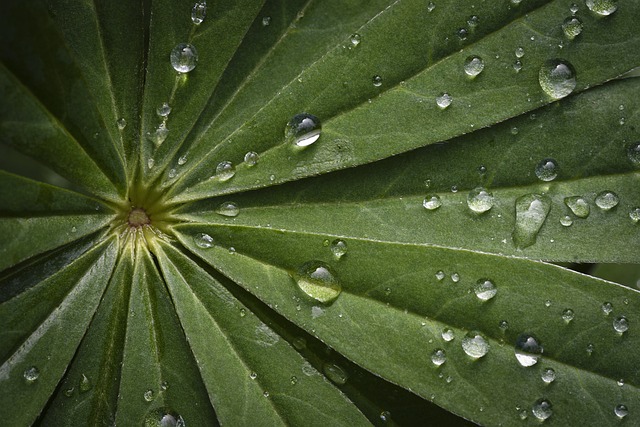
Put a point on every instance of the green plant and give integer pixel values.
(164, 285)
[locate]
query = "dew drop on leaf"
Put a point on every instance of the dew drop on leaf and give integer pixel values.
(475, 345)
(335, 373)
(266, 21)
(182, 160)
(225, 171)
(568, 315)
(148, 395)
(150, 162)
(440, 275)
(432, 202)
(438, 357)
(448, 334)
(485, 289)
(633, 151)
(635, 215)
(621, 411)
(317, 280)
(338, 248)
(473, 66)
(385, 416)
(528, 350)
(164, 110)
(163, 417)
(572, 27)
(31, 374)
(602, 7)
(251, 158)
(573, 8)
(548, 375)
(607, 200)
(199, 12)
(455, 277)
(519, 52)
(203, 240)
(547, 170)
(542, 409)
(578, 205)
(85, 384)
(184, 58)
(355, 39)
(607, 308)
(229, 209)
(531, 213)
(443, 100)
(480, 200)
(621, 324)
(377, 81)
(122, 123)
(431, 6)
(161, 133)
(302, 130)
(566, 221)
(557, 78)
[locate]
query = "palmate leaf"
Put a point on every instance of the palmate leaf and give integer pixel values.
(167, 295)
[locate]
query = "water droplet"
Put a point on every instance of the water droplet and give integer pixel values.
(335, 373)
(203, 240)
(148, 395)
(567, 315)
(122, 123)
(184, 58)
(443, 100)
(253, 375)
(251, 158)
(85, 384)
(266, 21)
(150, 162)
(504, 325)
(377, 81)
(355, 39)
(590, 348)
(621, 324)
(485, 289)
(517, 65)
(182, 160)
(438, 357)
(547, 170)
(528, 350)
(164, 110)
(229, 209)
(385, 416)
(607, 308)
(225, 171)
(557, 78)
(547, 303)
(462, 33)
(432, 202)
(473, 21)
(448, 334)
(634, 153)
(69, 392)
(531, 213)
(607, 200)
(566, 221)
(634, 214)
(602, 7)
(31, 374)
(480, 200)
(574, 8)
(303, 130)
(338, 248)
(431, 6)
(542, 409)
(578, 205)
(317, 280)
(163, 417)
(440, 275)
(572, 27)
(199, 12)
(621, 411)
(265, 394)
(161, 133)
(475, 345)
(455, 277)
(473, 66)
(548, 375)
(454, 188)
(519, 52)
(620, 382)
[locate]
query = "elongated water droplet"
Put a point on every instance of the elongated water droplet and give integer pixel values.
(531, 213)
(163, 417)
(432, 202)
(203, 240)
(303, 130)
(251, 158)
(199, 12)
(475, 345)
(184, 58)
(473, 66)
(557, 78)
(602, 7)
(85, 384)
(164, 110)
(542, 409)
(161, 133)
(547, 170)
(335, 373)
(480, 200)
(438, 357)
(528, 350)
(31, 374)
(607, 200)
(317, 280)
(228, 209)
(578, 205)
(444, 100)
(572, 27)
(122, 123)
(225, 171)
(621, 411)
(377, 81)
(150, 162)
(621, 324)
(338, 248)
(548, 375)
(485, 289)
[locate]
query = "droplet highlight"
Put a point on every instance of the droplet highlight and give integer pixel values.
(199, 12)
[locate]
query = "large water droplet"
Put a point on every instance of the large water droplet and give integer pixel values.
(438, 357)
(317, 280)
(531, 213)
(621, 411)
(303, 130)
(432, 202)
(184, 58)
(225, 171)
(251, 158)
(485, 289)
(31, 374)
(203, 240)
(473, 66)
(547, 170)
(578, 205)
(548, 375)
(542, 409)
(528, 350)
(228, 209)
(199, 12)
(443, 100)
(338, 248)
(335, 373)
(163, 417)
(475, 345)
(572, 27)
(607, 200)
(621, 324)
(557, 78)
(602, 7)
(480, 200)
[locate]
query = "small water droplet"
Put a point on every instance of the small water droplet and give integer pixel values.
(473, 21)
(225, 171)
(567, 315)
(454, 188)
(293, 380)
(266, 21)
(531, 213)
(473, 66)
(150, 162)
(122, 123)
(578, 205)
(199, 12)
(607, 200)
(438, 357)
(573, 8)
(317, 280)
(148, 395)
(621, 411)
(443, 100)
(431, 6)
(440, 275)
(620, 382)
(448, 335)
(572, 27)
(548, 375)
(251, 158)
(164, 110)
(633, 151)
(519, 52)
(542, 409)
(253, 375)
(547, 170)
(265, 394)
(182, 160)
(480, 200)
(455, 277)
(504, 325)
(377, 81)
(547, 303)
(602, 7)
(355, 39)
(566, 221)
(462, 33)
(184, 58)
(557, 78)
(85, 384)
(634, 214)
(203, 240)
(303, 130)
(335, 373)
(621, 324)
(385, 416)
(229, 209)
(31, 374)
(338, 248)
(528, 350)
(432, 202)
(69, 392)
(475, 345)
(517, 65)
(607, 308)
(485, 289)
(590, 348)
